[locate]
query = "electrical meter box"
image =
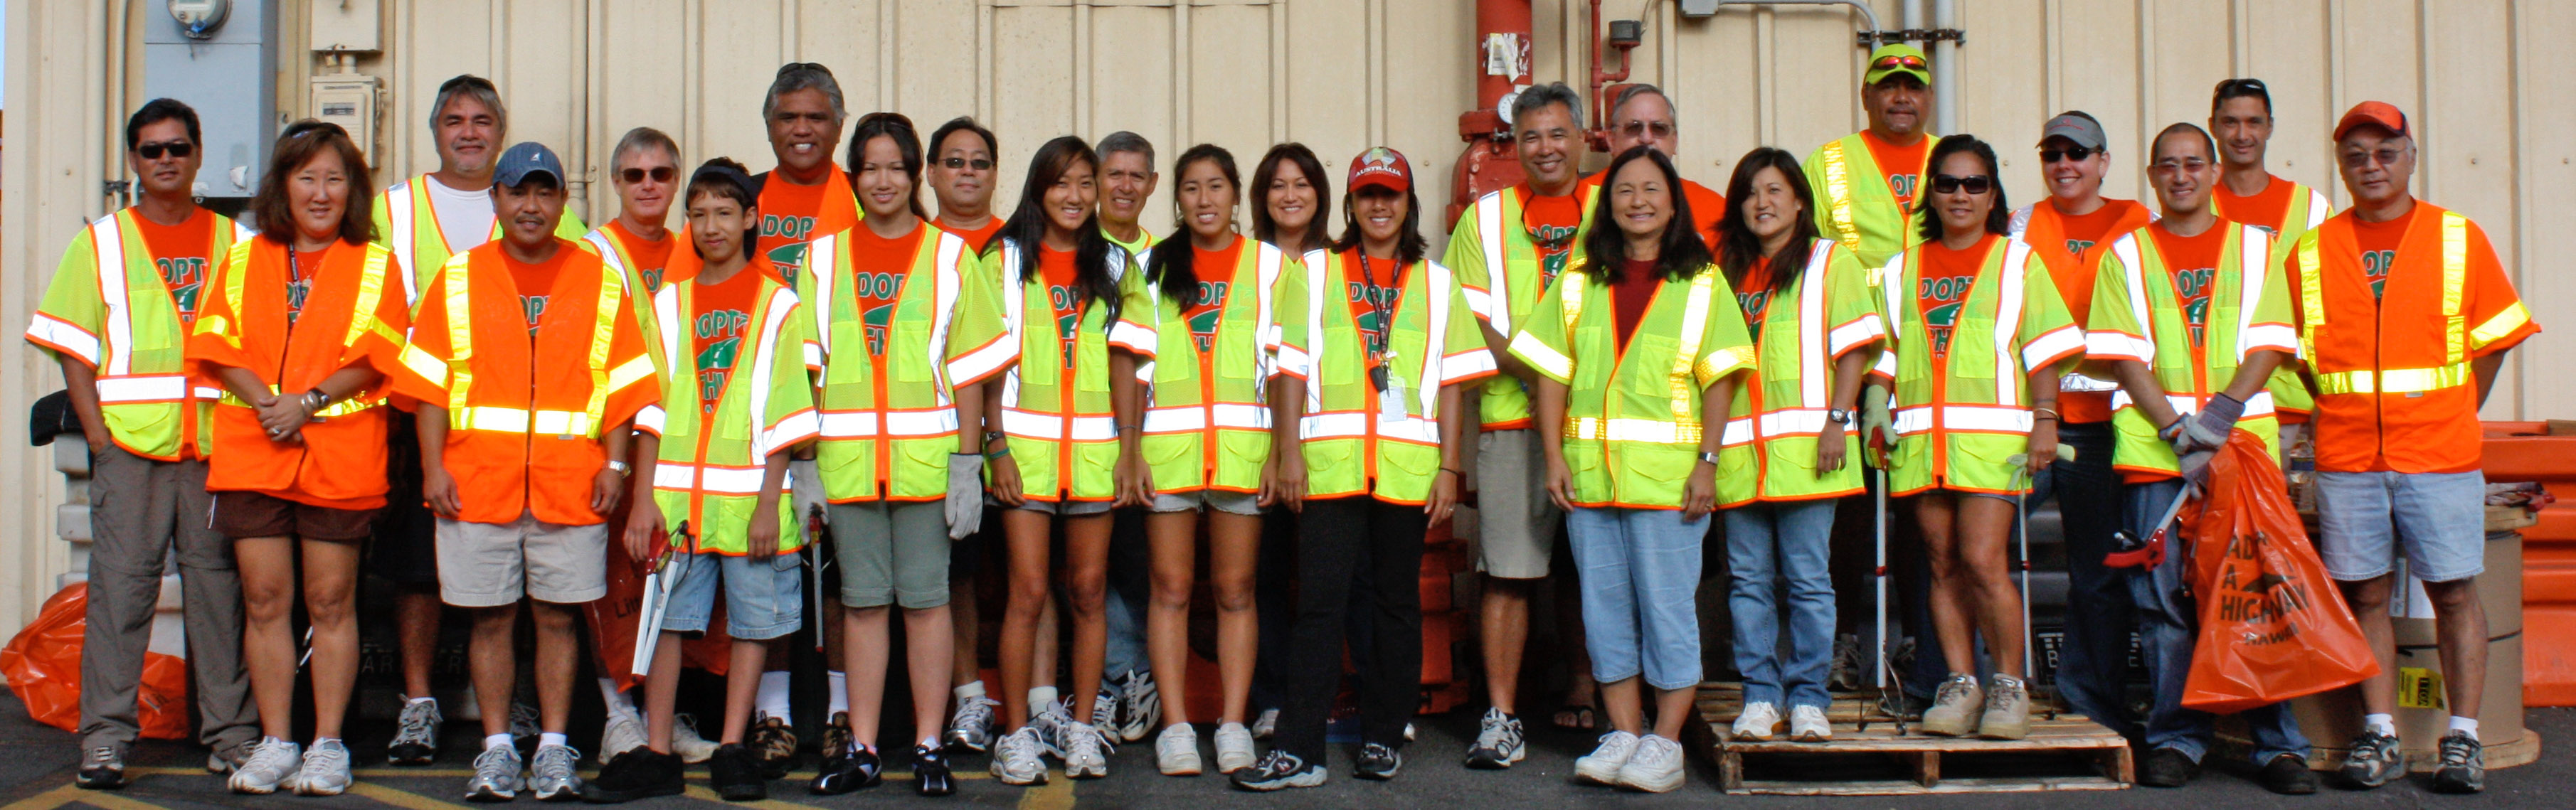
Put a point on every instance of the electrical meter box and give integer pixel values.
(225, 66)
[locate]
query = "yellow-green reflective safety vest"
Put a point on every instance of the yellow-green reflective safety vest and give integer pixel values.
(2138, 315)
(890, 436)
(110, 306)
(406, 225)
(1064, 435)
(2308, 209)
(710, 469)
(1354, 443)
(1960, 417)
(1632, 416)
(1498, 265)
(1855, 207)
(639, 296)
(1207, 414)
(1812, 320)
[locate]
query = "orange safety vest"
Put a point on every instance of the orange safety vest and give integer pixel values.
(2394, 386)
(2083, 398)
(353, 315)
(526, 406)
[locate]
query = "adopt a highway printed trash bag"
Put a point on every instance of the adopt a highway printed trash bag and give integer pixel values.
(2273, 626)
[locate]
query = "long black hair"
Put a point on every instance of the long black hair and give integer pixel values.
(1267, 172)
(1682, 255)
(1027, 224)
(1738, 249)
(725, 177)
(1171, 268)
(1410, 247)
(1998, 218)
(907, 149)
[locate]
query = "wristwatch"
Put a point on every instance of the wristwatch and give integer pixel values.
(1838, 416)
(1709, 459)
(315, 400)
(621, 467)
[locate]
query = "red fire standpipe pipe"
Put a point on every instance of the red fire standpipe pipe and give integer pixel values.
(1599, 133)
(1502, 65)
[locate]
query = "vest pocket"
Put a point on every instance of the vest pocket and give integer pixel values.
(1972, 340)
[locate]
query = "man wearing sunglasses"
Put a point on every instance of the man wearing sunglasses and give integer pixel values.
(2069, 232)
(962, 175)
(2404, 316)
(2240, 116)
(1641, 115)
(424, 220)
(1865, 182)
(118, 307)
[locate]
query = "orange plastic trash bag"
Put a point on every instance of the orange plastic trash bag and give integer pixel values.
(2273, 626)
(43, 665)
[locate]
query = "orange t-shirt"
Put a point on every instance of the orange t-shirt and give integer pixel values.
(1941, 287)
(2379, 242)
(1216, 278)
(1055, 267)
(720, 317)
(879, 267)
(2193, 260)
(182, 254)
(787, 213)
(2083, 231)
(1375, 285)
(1902, 165)
(2266, 208)
(976, 237)
(1755, 296)
(536, 282)
(652, 257)
(1551, 223)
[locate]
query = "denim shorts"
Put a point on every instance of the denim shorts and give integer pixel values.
(1067, 508)
(764, 598)
(2439, 519)
(1639, 573)
(1201, 500)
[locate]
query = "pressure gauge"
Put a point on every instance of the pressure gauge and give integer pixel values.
(198, 19)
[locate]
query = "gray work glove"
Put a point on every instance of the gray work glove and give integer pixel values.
(2208, 429)
(965, 506)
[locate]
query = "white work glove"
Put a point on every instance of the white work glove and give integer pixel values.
(1877, 427)
(965, 506)
(805, 493)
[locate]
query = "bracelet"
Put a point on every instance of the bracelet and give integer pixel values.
(1453, 471)
(2044, 413)
(997, 455)
(1128, 428)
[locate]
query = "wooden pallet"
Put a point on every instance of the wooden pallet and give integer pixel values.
(2068, 752)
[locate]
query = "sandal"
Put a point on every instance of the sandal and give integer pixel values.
(1574, 717)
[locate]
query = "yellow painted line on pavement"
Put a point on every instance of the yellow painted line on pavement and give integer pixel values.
(706, 794)
(1056, 794)
(399, 798)
(47, 800)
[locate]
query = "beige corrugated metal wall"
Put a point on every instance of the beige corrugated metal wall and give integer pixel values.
(2498, 130)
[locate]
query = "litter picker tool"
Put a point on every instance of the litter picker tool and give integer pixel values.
(657, 599)
(2127, 551)
(816, 559)
(2021, 536)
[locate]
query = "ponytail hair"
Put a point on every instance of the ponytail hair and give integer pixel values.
(1172, 268)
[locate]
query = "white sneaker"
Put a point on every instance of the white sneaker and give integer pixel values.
(1176, 750)
(685, 741)
(1104, 710)
(496, 775)
(272, 762)
(1049, 722)
(1656, 767)
(1083, 751)
(324, 772)
(1807, 724)
(554, 776)
(1142, 709)
(1268, 724)
(622, 735)
(971, 727)
(1018, 758)
(1758, 722)
(1233, 748)
(1601, 767)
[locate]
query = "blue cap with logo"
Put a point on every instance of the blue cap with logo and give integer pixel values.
(527, 159)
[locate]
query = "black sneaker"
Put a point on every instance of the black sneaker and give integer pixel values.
(853, 770)
(1378, 761)
(2288, 775)
(772, 746)
(640, 773)
(2464, 765)
(930, 775)
(1277, 770)
(736, 774)
(102, 767)
(2167, 768)
(2375, 760)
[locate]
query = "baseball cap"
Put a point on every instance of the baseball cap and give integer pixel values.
(1897, 57)
(526, 159)
(1383, 168)
(2379, 114)
(2085, 132)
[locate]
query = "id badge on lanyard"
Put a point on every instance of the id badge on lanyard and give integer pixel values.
(1390, 390)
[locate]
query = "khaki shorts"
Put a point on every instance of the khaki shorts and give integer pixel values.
(1515, 522)
(493, 564)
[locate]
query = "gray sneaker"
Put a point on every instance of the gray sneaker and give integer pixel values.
(271, 765)
(416, 734)
(553, 778)
(496, 775)
(2375, 760)
(1847, 672)
(2464, 765)
(2007, 711)
(1954, 708)
(1050, 722)
(1019, 759)
(102, 767)
(1085, 751)
(226, 758)
(971, 727)
(325, 771)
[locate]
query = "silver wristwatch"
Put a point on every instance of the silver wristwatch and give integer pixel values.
(1709, 459)
(621, 467)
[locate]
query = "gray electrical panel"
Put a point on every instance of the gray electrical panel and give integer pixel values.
(230, 77)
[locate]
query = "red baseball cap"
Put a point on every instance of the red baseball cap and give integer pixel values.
(2373, 113)
(1383, 168)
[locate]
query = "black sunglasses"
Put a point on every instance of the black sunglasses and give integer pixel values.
(1952, 184)
(2068, 153)
(955, 163)
(176, 149)
(660, 174)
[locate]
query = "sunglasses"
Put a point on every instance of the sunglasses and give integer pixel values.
(1639, 129)
(1953, 184)
(176, 149)
(660, 174)
(955, 163)
(2068, 153)
(1897, 61)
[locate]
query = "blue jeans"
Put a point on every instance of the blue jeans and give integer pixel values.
(2169, 625)
(1639, 572)
(1126, 652)
(1768, 544)
(2094, 660)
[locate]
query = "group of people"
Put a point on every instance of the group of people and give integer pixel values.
(495, 406)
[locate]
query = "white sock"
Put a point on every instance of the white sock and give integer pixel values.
(2468, 724)
(840, 692)
(501, 740)
(969, 689)
(409, 701)
(1041, 697)
(546, 738)
(2380, 723)
(620, 705)
(273, 740)
(318, 741)
(772, 701)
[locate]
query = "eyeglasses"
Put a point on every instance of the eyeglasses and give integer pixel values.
(955, 163)
(2068, 153)
(1639, 129)
(1953, 184)
(660, 174)
(2384, 156)
(176, 149)
(1892, 61)
(2180, 164)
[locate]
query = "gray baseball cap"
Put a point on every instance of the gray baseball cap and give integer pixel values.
(527, 159)
(2071, 125)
